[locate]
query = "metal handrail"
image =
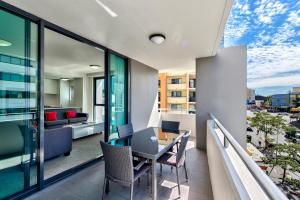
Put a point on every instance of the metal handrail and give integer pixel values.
(272, 191)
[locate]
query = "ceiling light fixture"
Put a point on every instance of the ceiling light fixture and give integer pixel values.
(157, 38)
(95, 66)
(107, 9)
(4, 43)
(64, 79)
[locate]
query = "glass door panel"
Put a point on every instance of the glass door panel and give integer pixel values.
(118, 94)
(18, 104)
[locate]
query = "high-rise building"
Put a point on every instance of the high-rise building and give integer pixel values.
(177, 92)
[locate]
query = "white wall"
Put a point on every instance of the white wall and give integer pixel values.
(144, 89)
(187, 121)
(221, 90)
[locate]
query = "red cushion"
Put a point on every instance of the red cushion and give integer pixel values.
(71, 114)
(50, 116)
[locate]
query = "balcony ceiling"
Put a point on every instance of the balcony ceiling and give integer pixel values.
(192, 28)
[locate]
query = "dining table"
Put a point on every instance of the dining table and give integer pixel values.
(151, 143)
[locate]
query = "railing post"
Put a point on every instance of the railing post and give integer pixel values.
(226, 143)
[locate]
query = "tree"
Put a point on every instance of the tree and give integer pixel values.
(284, 156)
(268, 124)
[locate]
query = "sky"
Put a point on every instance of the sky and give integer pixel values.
(271, 31)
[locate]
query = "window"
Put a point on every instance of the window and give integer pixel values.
(176, 94)
(176, 80)
(176, 106)
(99, 97)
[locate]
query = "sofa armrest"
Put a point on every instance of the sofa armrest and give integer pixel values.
(57, 141)
(83, 115)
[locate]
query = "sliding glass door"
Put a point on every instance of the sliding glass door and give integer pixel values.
(118, 93)
(18, 104)
(53, 74)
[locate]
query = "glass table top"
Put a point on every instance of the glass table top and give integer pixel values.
(150, 142)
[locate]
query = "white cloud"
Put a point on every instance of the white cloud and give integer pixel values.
(273, 66)
(266, 10)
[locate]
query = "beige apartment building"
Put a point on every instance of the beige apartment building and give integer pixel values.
(177, 92)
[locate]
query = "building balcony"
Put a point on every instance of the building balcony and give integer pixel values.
(224, 171)
(181, 86)
(176, 100)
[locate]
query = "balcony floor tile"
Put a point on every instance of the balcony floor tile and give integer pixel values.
(87, 184)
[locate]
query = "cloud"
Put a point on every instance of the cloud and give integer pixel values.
(271, 31)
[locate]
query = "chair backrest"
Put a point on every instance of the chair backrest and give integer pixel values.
(180, 157)
(170, 126)
(125, 130)
(118, 163)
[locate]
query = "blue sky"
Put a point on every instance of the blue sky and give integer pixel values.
(271, 31)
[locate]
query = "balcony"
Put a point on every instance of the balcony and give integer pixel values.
(181, 86)
(177, 100)
(225, 171)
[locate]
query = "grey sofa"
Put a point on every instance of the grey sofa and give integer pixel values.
(62, 118)
(57, 141)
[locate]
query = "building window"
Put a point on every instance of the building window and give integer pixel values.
(176, 80)
(176, 94)
(176, 106)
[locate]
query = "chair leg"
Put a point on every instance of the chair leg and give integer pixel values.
(186, 174)
(178, 184)
(103, 190)
(148, 178)
(160, 170)
(131, 191)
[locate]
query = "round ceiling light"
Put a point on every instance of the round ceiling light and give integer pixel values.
(95, 66)
(4, 43)
(157, 38)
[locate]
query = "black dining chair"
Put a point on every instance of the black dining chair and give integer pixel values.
(120, 168)
(176, 160)
(125, 130)
(170, 126)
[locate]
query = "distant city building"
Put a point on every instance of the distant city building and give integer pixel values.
(250, 95)
(281, 100)
(296, 90)
(177, 92)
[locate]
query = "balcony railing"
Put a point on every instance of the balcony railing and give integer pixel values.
(177, 100)
(181, 86)
(232, 170)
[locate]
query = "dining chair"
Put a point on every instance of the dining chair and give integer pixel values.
(119, 167)
(125, 130)
(170, 126)
(176, 160)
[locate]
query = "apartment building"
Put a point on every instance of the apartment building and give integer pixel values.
(177, 92)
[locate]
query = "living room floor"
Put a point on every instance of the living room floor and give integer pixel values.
(83, 150)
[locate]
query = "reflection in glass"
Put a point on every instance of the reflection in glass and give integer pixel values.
(118, 94)
(18, 104)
